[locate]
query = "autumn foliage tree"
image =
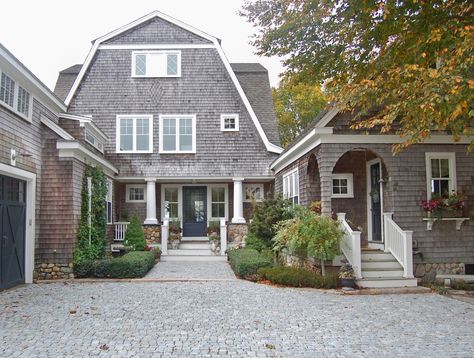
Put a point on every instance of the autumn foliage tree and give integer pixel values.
(296, 105)
(412, 60)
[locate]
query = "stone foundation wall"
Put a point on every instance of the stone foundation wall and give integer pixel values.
(50, 271)
(152, 234)
(428, 271)
(309, 264)
(237, 234)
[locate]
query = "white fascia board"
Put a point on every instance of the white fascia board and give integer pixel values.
(323, 122)
(40, 90)
(194, 180)
(155, 46)
(75, 117)
(303, 146)
(55, 128)
(389, 139)
(96, 130)
(86, 121)
(73, 149)
(269, 146)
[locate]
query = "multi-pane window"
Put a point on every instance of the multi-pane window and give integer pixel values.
(108, 201)
(14, 96)
(440, 172)
(229, 122)
(7, 90)
(342, 186)
(134, 134)
(218, 202)
(156, 64)
(253, 192)
(177, 134)
(171, 197)
(135, 193)
(291, 186)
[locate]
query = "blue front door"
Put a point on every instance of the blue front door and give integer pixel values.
(194, 211)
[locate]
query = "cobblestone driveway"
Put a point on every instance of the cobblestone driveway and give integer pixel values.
(192, 270)
(235, 318)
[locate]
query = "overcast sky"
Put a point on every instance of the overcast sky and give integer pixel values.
(51, 35)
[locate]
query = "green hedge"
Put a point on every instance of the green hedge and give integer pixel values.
(246, 262)
(295, 277)
(131, 265)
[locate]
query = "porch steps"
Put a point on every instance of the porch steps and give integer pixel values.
(381, 269)
(193, 249)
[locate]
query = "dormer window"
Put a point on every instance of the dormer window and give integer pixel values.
(156, 64)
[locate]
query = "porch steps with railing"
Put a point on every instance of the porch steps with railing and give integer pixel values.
(193, 249)
(382, 269)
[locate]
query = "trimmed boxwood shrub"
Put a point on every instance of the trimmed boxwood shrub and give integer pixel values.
(131, 265)
(295, 277)
(246, 262)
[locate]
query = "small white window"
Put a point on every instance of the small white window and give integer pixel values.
(291, 188)
(440, 174)
(15, 97)
(134, 134)
(218, 202)
(92, 140)
(178, 134)
(7, 90)
(229, 122)
(23, 102)
(136, 193)
(156, 64)
(253, 192)
(108, 201)
(342, 186)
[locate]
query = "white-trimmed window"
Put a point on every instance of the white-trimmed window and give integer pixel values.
(134, 134)
(291, 185)
(92, 140)
(229, 122)
(440, 173)
(156, 64)
(172, 198)
(342, 186)
(253, 192)
(108, 201)
(135, 193)
(15, 97)
(218, 200)
(178, 134)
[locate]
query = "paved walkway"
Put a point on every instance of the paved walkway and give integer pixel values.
(191, 271)
(234, 318)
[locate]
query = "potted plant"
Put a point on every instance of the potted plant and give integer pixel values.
(448, 205)
(213, 234)
(175, 233)
(346, 275)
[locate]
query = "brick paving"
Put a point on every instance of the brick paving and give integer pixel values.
(227, 318)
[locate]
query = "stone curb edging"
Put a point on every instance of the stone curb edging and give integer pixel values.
(131, 280)
(389, 291)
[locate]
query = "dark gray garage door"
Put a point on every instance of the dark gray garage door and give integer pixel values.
(12, 230)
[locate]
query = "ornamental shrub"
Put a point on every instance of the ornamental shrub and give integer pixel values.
(296, 277)
(266, 214)
(134, 236)
(131, 265)
(253, 242)
(246, 262)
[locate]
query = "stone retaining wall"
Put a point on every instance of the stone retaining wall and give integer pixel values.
(152, 234)
(428, 271)
(237, 234)
(309, 264)
(53, 271)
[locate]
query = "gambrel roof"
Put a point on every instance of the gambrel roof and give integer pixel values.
(263, 126)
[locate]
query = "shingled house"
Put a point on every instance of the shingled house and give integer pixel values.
(389, 239)
(191, 135)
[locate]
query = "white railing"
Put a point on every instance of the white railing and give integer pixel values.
(165, 231)
(120, 230)
(399, 243)
(223, 237)
(350, 245)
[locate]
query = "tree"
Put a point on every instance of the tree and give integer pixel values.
(134, 236)
(412, 61)
(296, 105)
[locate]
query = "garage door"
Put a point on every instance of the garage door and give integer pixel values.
(12, 230)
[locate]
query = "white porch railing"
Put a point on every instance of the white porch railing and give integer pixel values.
(223, 237)
(120, 230)
(350, 245)
(399, 243)
(165, 232)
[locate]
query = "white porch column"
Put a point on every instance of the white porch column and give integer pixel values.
(151, 202)
(238, 202)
